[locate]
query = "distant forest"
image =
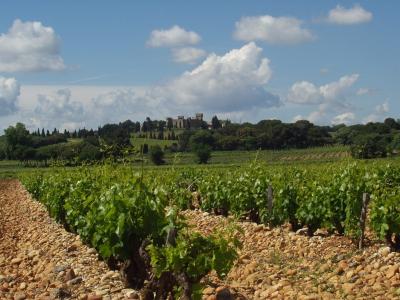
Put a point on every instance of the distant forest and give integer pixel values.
(116, 140)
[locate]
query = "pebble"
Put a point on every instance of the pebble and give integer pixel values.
(22, 286)
(384, 251)
(19, 296)
(223, 293)
(69, 274)
(94, 297)
(208, 291)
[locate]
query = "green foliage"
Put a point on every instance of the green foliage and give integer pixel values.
(89, 152)
(156, 155)
(372, 148)
(385, 207)
(201, 137)
(385, 214)
(193, 256)
(203, 153)
(116, 212)
(313, 211)
(288, 193)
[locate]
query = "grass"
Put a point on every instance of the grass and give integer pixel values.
(320, 154)
(9, 168)
(229, 159)
(137, 142)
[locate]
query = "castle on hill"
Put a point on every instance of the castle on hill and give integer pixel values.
(187, 123)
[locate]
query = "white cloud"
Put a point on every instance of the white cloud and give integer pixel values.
(274, 30)
(330, 98)
(345, 118)
(58, 110)
(382, 108)
(304, 92)
(234, 81)
(339, 88)
(188, 55)
(232, 84)
(365, 91)
(380, 112)
(133, 103)
(173, 37)
(30, 47)
(9, 92)
(349, 16)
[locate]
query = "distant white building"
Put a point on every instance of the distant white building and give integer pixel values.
(182, 123)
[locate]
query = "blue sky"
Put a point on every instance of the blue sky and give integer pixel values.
(72, 64)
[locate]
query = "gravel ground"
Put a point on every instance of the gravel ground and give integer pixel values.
(40, 260)
(280, 264)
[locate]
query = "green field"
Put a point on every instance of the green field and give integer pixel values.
(321, 154)
(222, 159)
(219, 158)
(137, 142)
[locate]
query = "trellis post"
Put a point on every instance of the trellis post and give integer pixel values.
(270, 198)
(363, 218)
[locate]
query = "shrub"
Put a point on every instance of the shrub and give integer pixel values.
(203, 153)
(156, 155)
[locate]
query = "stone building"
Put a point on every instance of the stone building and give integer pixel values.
(190, 123)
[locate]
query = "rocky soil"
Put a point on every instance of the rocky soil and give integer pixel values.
(40, 260)
(280, 264)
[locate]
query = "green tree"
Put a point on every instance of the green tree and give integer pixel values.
(18, 140)
(156, 155)
(202, 137)
(89, 152)
(203, 153)
(215, 123)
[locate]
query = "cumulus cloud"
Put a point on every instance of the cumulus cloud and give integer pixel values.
(274, 30)
(235, 81)
(30, 47)
(9, 92)
(188, 55)
(338, 89)
(231, 84)
(345, 118)
(129, 103)
(382, 108)
(380, 112)
(349, 16)
(304, 92)
(330, 98)
(58, 110)
(175, 36)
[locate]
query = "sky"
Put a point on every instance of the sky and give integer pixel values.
(75, 64)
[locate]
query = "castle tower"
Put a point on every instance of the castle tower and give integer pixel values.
(199, 116)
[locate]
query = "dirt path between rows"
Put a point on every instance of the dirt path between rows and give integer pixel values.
(40, 260)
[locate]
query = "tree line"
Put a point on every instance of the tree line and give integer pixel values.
(376, 139)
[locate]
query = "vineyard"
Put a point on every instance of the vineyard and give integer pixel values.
(133, 219)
